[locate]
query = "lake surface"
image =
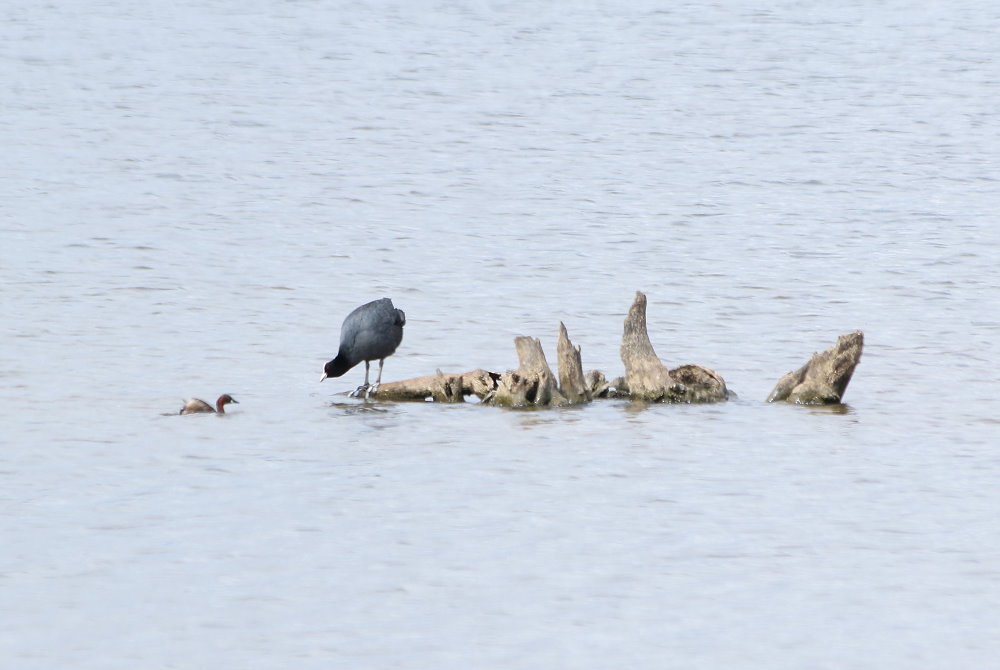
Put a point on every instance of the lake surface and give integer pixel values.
(196, 193)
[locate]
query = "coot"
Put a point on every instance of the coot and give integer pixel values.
(371, 332)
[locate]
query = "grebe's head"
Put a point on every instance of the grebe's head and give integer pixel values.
(224, 400)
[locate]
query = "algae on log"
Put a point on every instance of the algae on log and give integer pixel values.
(824, 379)
(648, 379)
(532, 384)
(440, 386)
(700, 384)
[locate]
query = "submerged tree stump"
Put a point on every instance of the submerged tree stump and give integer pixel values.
(532, 384)
(571, 381)
(824, 379)
(648, 379)
(646, 376)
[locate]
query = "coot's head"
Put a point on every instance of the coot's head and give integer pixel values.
(335, 368)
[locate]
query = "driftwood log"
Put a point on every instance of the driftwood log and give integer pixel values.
(532, 384)
(648, 379)
(824, 379)
(440, 387)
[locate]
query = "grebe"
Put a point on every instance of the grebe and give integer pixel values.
(196, 405)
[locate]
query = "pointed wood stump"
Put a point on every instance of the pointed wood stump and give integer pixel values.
(648, 379)
(571, 381)
(824, 379)
(532, 384)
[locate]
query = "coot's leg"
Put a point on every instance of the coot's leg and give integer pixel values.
(374, 389)
(364, 387)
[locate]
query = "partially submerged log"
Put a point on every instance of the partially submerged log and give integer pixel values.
(700, 384)
(440, 387)
(648, 379)
(824, 379)
(532, 384)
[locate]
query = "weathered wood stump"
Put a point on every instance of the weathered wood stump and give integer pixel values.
(648, 379)
(532, 384)
(574, 387)
(824, 379)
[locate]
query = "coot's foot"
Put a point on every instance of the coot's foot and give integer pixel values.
(356, 393)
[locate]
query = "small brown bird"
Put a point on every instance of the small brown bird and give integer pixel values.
(196, 405)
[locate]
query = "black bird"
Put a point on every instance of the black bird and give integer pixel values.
(370, 332)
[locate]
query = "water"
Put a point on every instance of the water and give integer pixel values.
(196, 194)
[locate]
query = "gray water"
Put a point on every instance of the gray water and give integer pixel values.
(196, 193)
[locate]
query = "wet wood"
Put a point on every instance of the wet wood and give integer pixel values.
(699, 383)
(648, 379)
(441, 387)
(532, 384)
(824, 379)
(599, 385)
(572, 383)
